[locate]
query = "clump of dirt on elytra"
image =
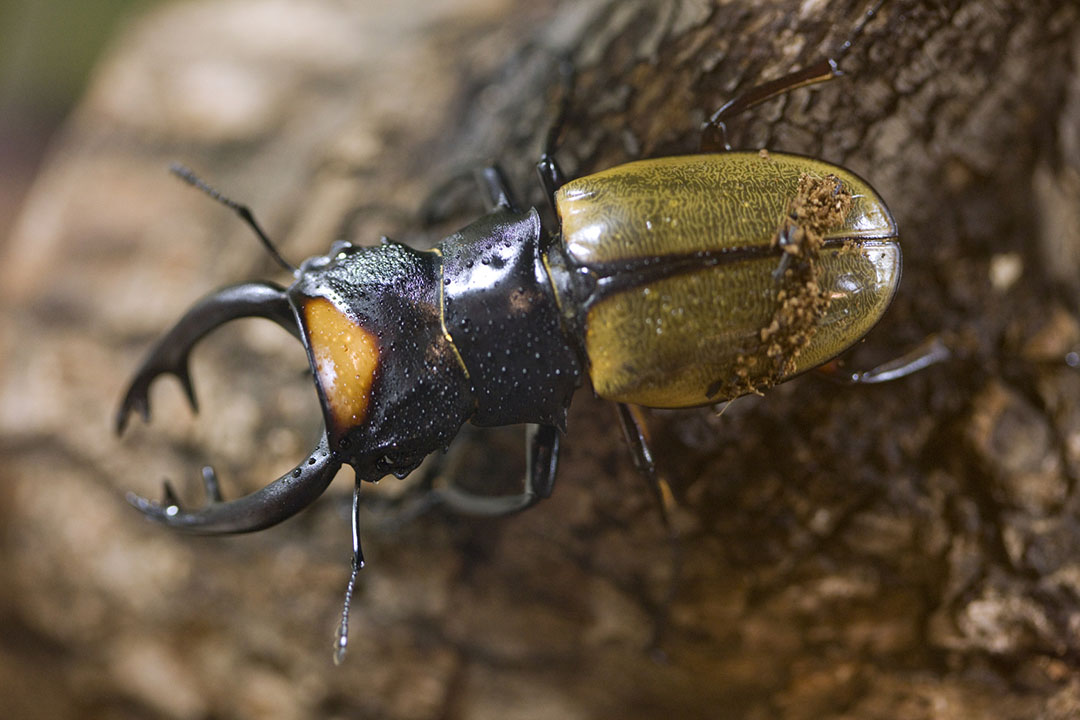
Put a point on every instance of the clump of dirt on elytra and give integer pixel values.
(820, 204)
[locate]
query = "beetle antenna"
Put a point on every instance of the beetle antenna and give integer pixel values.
(341, 645)
(867, 17)
(188, 176)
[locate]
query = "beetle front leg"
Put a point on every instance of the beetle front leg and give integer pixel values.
(170, 355)
(495, 194)
(498, 195)
(541, 462)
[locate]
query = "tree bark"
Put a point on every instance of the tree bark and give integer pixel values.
(903, 550)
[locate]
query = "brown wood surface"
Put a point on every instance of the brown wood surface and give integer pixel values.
(907, 550)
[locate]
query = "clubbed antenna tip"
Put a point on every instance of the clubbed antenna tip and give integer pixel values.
(188, 176)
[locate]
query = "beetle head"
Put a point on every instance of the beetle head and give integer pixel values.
(391, 384)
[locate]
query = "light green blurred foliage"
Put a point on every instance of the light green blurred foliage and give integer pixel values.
(48, 47)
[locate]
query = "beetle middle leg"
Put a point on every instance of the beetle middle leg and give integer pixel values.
(495, 189)
(636, 434)
(551, 175)
(714, 130)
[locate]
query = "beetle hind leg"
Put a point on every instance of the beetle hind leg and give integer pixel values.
(933, 350)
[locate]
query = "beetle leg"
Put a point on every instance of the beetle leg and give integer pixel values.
(633, 427)
(714, 131)
(281, 499)
(170, 355)
(931, 351)
(636, 434)
(541, 461)
(551, 178)
(495, 192)
(551, 175)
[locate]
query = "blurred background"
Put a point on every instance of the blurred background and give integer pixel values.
(47, 51)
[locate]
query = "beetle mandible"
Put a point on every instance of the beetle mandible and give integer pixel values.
(673, 282)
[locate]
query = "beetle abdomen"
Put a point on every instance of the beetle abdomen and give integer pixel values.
(683, 255)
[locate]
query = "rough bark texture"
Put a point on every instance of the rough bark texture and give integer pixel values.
(905, 550)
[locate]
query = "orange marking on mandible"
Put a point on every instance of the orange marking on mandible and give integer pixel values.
(345, 357)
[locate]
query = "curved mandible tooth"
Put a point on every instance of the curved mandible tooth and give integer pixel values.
(213, 487)
(170, 355)
(169, 498)
(279, 500)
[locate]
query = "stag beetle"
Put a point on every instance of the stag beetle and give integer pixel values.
(672, 282)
